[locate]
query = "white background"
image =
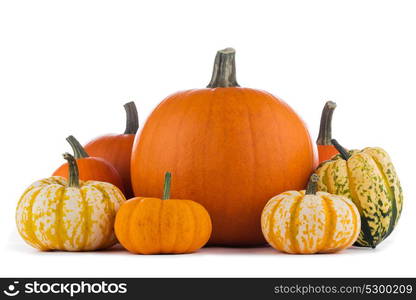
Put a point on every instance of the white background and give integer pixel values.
(66, 67)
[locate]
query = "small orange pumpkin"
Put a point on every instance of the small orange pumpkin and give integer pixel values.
(90, 168)
(152, 226)
(116, 148)
(325, 148)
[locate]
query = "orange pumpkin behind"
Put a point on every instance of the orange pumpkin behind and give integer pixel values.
(116, 148)
(90, 168)
(325, 148)
(230, 149)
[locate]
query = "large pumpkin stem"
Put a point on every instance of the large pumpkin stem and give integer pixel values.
(73, 174)
(132, 119)
(344, 153)
(224, 74)
(325, 129)
(79, 151)
(166, 187)
(312, 184)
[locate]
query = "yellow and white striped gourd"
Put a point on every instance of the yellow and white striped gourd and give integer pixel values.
(368, 177)
(307, 222)
(56, 214)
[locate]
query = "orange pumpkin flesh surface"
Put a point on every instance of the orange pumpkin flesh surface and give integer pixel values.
(90, 168)
(116, 148)
(154, 226)
(230, 149)
(325, 148)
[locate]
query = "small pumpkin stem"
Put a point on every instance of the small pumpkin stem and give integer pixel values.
(224, 74)
(325, 129)
(344, 153)
(312, 184)
(79, 151)
(166, 187)
(73, 174)
(132, 119)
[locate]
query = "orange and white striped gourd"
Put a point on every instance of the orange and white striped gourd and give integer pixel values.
(73, 215)
(307, 222)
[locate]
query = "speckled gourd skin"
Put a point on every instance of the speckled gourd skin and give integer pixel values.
(52, 216)
(296, 223)
(369, 178)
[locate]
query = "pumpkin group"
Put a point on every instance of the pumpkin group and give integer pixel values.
(56, 214)
(308, 222)
(153, 226)
(229, 148)
(116, 148)
(90, 168)
(368, 177)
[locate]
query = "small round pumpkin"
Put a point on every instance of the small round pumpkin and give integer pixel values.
(116, 148)
(154, 226)
(56, 214)
(310, 222)
(369, 179)
(90, 168)
(325, 148)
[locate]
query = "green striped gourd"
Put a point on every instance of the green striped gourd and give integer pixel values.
(368, 177)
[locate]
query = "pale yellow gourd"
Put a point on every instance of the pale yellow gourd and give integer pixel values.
(56, 214)
(310, 222)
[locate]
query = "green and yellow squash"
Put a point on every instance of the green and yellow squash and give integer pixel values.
(368, 177)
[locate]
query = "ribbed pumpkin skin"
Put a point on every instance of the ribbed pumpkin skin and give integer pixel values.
(298, 224)
(230, 149)
(155, 226)
(370, 180)
(52, 216)
(93, 168)
(116, 149)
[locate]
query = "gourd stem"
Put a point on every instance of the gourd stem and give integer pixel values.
(73, 174)
(325, 129)
(344, 153)
(224, 74)
(312, 184)
(79, 151)
(166, 187)
(132, 119)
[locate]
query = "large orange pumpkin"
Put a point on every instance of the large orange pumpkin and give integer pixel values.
(230, 149)
(116, 148)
